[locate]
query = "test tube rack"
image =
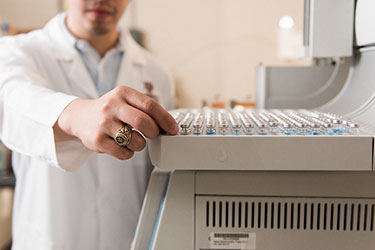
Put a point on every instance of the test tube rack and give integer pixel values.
(248, 139)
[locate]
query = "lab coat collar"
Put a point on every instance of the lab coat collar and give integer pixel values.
(66, 53)
(64, 41)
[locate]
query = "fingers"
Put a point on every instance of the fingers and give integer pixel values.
(139, 120)
(109, 146)
(151, 108)
(137, 142)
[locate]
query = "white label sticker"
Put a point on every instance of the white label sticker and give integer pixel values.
(235, 241)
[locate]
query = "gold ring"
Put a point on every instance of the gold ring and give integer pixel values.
(123, 136)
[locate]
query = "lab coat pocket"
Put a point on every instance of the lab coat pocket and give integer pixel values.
(33, 239)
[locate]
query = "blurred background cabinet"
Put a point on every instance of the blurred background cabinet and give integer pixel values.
(7, 182)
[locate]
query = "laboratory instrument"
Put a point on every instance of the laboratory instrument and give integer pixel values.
(294, 174)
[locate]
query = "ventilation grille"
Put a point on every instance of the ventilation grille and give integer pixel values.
(290, 215)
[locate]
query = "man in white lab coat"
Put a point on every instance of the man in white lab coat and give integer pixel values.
(65, 91)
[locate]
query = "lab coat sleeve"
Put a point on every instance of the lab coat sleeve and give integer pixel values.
(28, 110)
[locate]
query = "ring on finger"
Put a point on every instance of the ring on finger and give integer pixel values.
(123, 136)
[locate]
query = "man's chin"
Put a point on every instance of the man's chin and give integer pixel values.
(100, 27)
(100, 30)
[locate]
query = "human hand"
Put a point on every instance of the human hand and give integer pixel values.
(96, 121)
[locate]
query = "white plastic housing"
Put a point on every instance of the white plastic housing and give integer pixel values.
(328, 28)
(365, 22)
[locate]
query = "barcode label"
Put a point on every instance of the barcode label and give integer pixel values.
(228, 235)
(233, 241)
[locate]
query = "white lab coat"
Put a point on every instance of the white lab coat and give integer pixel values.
(95, 206)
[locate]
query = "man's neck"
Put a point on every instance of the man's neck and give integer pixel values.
(101, 43)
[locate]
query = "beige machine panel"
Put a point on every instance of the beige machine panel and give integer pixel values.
(327, 153)
(264, 223)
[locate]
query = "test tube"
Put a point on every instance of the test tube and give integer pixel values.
(198, 123)
(299, 124)
(272, 123)
(178, 116)
(210, 123)
(326, 126)
(284, 125)
(185, 123)
(314, 127)
(314, 113)
(261, 125)
(223, 123)
(337, 122)
(266, 117)
(235, 123)
(333, 118)
(248, 125)
(353, 126)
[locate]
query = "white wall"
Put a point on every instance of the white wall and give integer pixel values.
(213, 46)
(28, 13)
